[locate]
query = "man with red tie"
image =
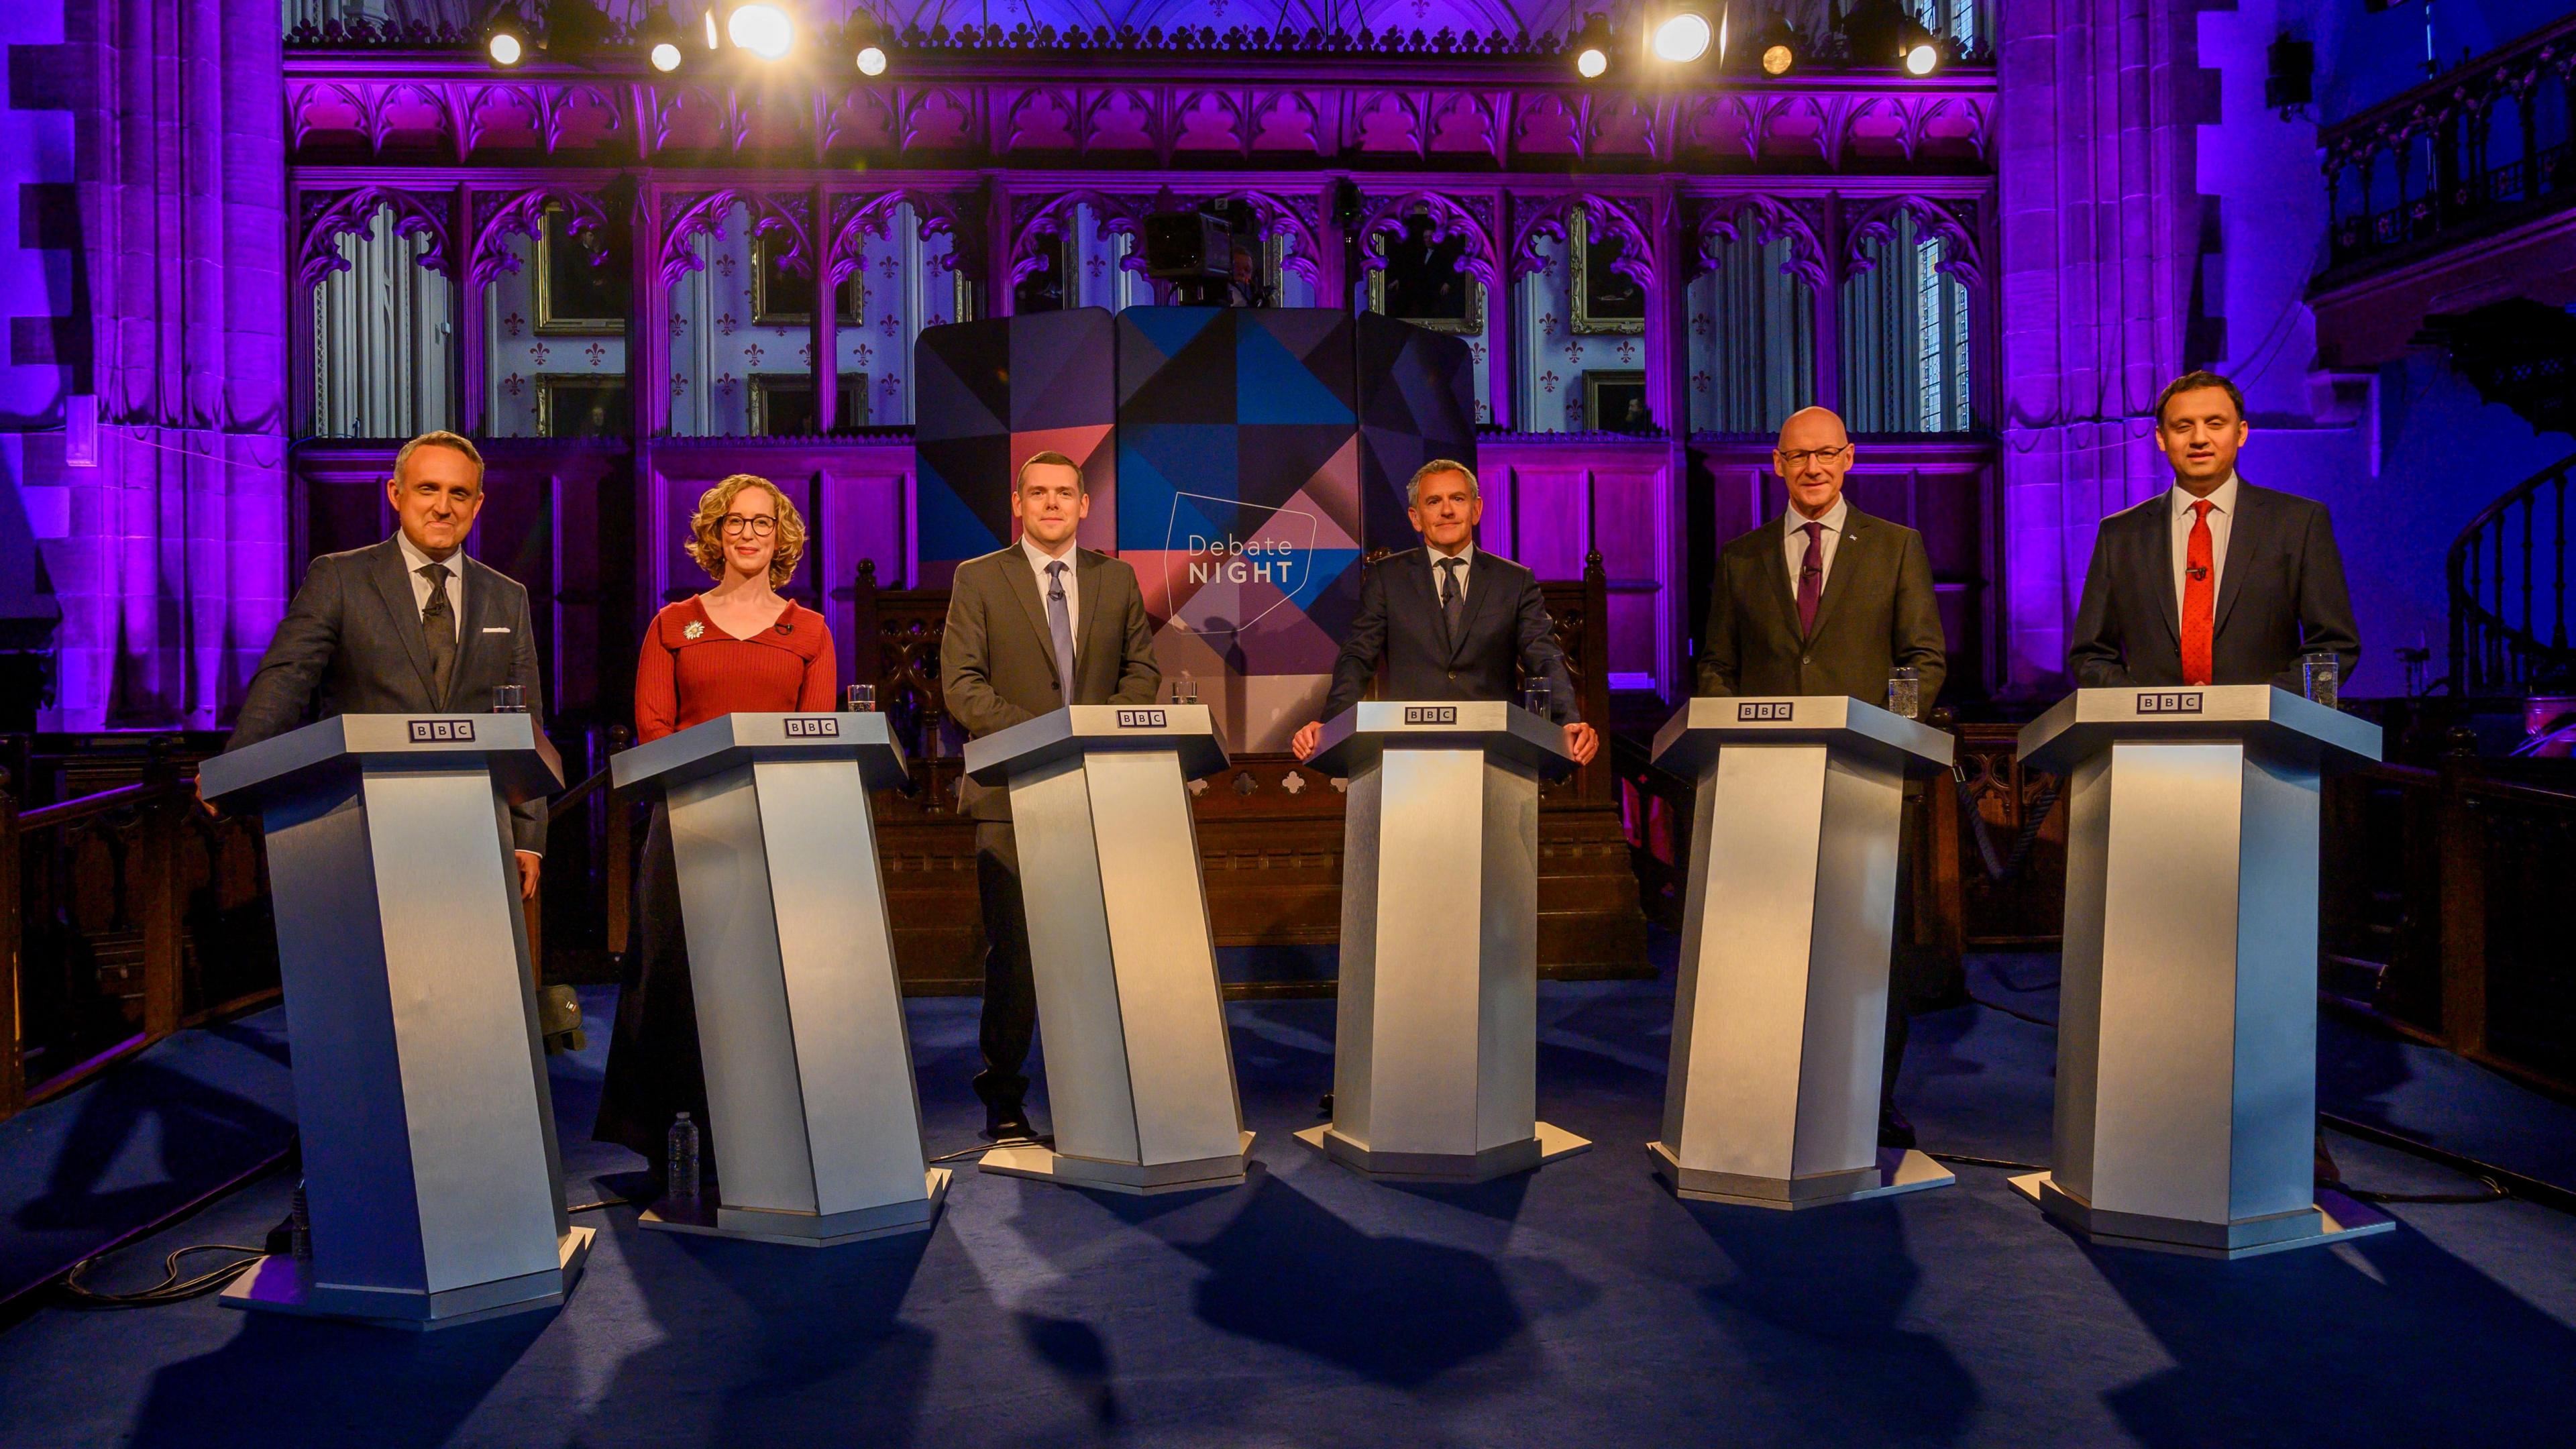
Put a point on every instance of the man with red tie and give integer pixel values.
(2214, 581)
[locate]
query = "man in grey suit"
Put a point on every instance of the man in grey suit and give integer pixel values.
(1823, 599)
(1032, 628)
(1826, 599)
(406, 626)
(1451, 620)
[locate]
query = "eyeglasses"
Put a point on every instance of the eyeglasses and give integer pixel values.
(748, 523)
(1800, 458)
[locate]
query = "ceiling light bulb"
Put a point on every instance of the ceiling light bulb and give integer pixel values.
(761, 29)
(1682, 38)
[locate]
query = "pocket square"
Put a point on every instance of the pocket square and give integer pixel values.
(496, 628)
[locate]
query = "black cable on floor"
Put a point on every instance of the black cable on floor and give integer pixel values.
(981, 1149)
(1961, 1159)
(170, 1289)
(2016, 1015)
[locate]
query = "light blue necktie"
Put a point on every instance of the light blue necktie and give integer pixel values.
(1060, 624)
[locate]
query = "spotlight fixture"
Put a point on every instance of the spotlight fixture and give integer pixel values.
(761, 28)
(1883, 33)
(715, 37)
(660, 38)
(1776, 46)
(505, 37)
(1682, 37)
(1592, 47)
(866, 40)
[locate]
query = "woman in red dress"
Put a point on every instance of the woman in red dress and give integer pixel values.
(738, 647)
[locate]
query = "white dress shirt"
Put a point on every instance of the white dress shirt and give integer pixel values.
(1038, 560)
(1466, 557)
(414, 561)
(2224, 496)
(1794, 540)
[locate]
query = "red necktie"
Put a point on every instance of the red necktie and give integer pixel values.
(2198, 596)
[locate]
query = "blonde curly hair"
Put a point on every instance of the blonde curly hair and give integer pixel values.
(706, 538)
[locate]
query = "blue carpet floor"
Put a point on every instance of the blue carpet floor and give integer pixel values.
(1578, 1306)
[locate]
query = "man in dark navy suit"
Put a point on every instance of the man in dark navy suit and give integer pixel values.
(2213, 581)
(1451, 620)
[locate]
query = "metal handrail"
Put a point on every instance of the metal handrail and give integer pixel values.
(2488, 649)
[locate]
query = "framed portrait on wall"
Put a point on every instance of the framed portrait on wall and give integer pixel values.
(1605, 300)
(582, 279)
(782, 403)
(1614, 401)
(781, 298)
(1421, 283)
(581, 405)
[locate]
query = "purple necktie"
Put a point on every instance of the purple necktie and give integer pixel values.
(1811, 578)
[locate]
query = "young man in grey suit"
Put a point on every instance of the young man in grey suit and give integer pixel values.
(1826, 599)
(1032, 628)
(407, 626)
(1451, 620)
(2213, 581)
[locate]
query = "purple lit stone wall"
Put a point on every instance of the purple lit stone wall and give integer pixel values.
(165, 547)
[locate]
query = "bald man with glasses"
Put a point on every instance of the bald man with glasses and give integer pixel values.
(1825, 599)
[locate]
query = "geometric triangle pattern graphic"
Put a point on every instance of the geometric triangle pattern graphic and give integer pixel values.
(1243, 460)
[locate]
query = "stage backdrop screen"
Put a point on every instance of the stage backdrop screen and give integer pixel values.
(1258, 454)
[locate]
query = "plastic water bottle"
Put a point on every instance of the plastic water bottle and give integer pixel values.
(681, 1173)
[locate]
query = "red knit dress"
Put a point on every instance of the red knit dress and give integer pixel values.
(692, 671)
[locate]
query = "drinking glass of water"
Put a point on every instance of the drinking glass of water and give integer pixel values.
(1185, 690)
(1539, 698)
(1905, 692)
(509, 699)
(863, 699)
(2320, 671)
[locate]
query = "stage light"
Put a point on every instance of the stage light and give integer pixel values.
(1682, 38)
(762, 29)
(1776, 45)
(505, 37)
(1592, 48)
(872, 60)
(715, 41)
(660, 38)
(1921, 56)
(1776, 59)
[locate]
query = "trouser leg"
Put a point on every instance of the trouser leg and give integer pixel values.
(1010, 992)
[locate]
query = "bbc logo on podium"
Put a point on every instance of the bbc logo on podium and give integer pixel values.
(1773, 710)
(2170, 702)
(442, 731)
(820, 728)
(1431, 714)
(1140, 719)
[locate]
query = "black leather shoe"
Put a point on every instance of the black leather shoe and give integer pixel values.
(1325, 1107)
(1005, 1121)
(1894, 1130)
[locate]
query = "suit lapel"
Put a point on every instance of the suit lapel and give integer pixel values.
(1023, 584)
(2240, 551)
(1774, 560)
(1481, 582)
(1849, 553)
(1087, 573)
(393, 585)
(483, 612)
(2160, 549)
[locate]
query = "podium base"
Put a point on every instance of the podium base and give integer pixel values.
(803, 1230)
(2334, 1218)
(1139, 1179)
(276, 1285)
(1899, 1169)
(1548, 1143)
